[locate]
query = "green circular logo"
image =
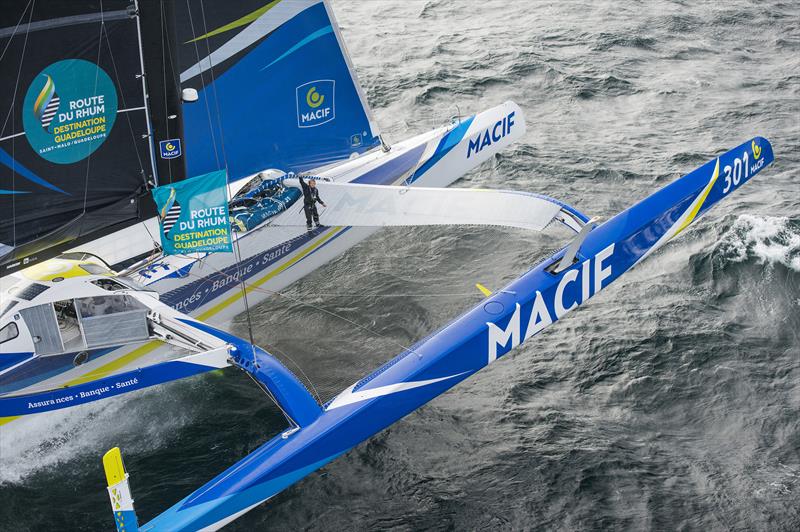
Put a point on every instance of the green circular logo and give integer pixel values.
(69, 110)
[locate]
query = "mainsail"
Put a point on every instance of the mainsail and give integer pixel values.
(276, 88)
(74, 145)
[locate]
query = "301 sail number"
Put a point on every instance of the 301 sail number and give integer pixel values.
(741, 169)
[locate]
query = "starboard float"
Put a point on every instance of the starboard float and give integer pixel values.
(317, 434)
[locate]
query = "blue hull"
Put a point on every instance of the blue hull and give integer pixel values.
(487, 332)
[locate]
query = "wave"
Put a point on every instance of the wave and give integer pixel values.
(771, 240)
(41, 442)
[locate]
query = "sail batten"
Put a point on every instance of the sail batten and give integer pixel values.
(61, 22)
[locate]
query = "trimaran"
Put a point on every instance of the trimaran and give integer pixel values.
(91, 308)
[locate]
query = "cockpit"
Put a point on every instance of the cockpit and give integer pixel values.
(85, 323)
(258, 200)
(69, 313)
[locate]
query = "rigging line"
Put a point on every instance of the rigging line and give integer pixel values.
(236, 245)
(13, 125)
(19, 72)
(335, 315)
(156, 245)
(307, 378)
(202, 85)
(23, 52)
(94, 92)
(122, 97)
(302, 302)
(376, 296)
(16, 27)
(263, 388)
(214, 87)
(255, 364)
(238, 253)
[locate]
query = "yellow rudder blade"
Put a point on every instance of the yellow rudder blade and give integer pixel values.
(115, 469)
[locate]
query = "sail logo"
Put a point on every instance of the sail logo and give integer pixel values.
(170, 149)
(316, 103)
(69, 110)
(47, 103)
(313, 98)
(490, 135)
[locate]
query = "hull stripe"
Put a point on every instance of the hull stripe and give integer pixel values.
(252, 286)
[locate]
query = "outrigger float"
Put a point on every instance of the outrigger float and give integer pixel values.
(91, 306)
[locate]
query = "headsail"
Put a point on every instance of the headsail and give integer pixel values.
(276, 87)
(74, 152)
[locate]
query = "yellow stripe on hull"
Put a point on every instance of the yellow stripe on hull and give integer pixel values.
(252, 286)
(9, 419)
(699, 202)
(121, 362)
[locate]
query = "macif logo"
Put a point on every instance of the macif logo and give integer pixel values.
(756, 149)
(170, 149)
(575, 287)
(316, 103)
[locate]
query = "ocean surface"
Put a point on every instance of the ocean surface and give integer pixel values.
(669, 401)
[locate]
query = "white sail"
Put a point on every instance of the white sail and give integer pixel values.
(349, 204)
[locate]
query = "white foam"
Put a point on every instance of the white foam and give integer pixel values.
(770, 239)
(136, 422)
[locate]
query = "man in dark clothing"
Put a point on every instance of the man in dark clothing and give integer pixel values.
(310, 199)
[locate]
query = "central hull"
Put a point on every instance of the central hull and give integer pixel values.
(269, 258)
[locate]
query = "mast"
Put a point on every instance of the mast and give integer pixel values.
(159, 49)
(143, 77)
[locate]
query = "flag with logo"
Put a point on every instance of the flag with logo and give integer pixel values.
(193, 215)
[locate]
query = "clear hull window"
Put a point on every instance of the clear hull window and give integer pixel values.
(112, 320)
(9, 332)
(68, 324)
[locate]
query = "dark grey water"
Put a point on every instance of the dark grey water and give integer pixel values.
(670, 401)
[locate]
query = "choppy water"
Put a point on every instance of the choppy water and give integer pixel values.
(671, 400)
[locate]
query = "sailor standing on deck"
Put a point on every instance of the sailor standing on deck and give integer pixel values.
(310, 199)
